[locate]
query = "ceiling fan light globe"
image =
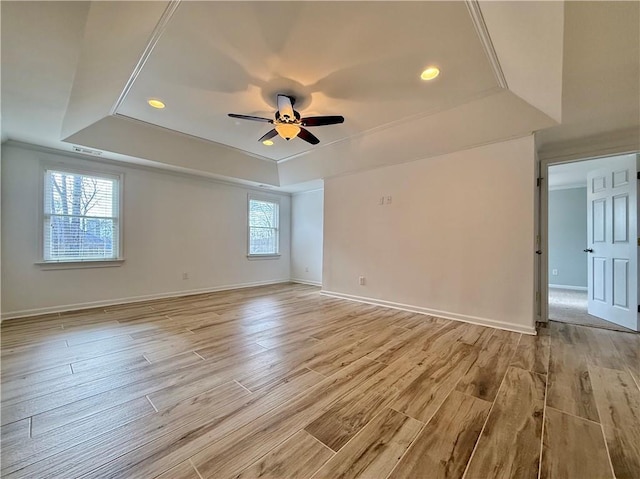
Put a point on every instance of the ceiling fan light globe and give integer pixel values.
(287, 130)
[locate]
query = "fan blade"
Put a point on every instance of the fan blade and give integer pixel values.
(267, 136)
(247, 117)
(322, 120)
(307, 136)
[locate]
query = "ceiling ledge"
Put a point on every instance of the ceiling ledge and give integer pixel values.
(134, 138)
(498, 117)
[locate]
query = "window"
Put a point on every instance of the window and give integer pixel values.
(263, 227)
(81, 217)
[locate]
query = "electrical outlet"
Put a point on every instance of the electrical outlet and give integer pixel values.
(381, 201)
(185, 275)
(554, 272)
(361, 280)
(389, 200)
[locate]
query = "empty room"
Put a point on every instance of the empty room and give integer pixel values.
(320, 239)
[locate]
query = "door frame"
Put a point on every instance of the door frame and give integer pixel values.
(542, 244)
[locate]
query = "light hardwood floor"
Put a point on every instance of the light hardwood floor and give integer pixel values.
(281, 382)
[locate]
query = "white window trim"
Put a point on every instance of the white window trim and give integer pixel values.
(72, 168)
(270, 199)
(80, 264)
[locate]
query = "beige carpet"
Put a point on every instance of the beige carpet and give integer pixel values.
(569, 306)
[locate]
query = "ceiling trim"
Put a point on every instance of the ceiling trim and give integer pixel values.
(620, 142)
(297, 193)
(153, 40)
(485, 39)
(569, 186)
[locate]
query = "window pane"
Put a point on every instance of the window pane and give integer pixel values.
(81, 238)
(263, 227)
(263, 213)
(263, 241)
(81, 217)
(73, 194)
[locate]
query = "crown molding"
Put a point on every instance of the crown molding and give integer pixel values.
(619, 142)
(485, 38)
(153, 40)
(569, 186)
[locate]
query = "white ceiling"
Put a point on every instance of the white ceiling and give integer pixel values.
(360, 60)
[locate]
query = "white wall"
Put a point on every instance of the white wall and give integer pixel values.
(457, 239)
(172, 224)
(306, 236)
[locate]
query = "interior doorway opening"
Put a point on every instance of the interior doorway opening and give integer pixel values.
(592, 254)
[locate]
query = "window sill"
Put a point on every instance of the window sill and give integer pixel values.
(94, 263)
(263, 256)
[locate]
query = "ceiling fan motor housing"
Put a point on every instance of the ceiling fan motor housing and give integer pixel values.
(282, 119)
(285, 108)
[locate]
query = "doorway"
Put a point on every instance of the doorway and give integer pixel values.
(581, 204)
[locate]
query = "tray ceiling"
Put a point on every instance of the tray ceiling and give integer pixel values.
(336, 58)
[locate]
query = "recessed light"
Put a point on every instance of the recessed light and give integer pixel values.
(267, 142)
(156, 103)
(430, 73)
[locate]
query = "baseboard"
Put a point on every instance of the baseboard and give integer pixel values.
(306, 281)
(133, 299)
(389, 304)
(492, 323)
(570, 288)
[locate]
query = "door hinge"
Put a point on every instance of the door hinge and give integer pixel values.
(539, 181)
(638, 175)
(639, 308)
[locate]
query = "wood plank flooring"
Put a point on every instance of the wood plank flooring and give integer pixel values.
(280, 382)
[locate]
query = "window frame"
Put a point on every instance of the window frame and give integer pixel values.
(269, 199)
(75, 263)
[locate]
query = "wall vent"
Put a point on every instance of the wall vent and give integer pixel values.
(86, 151)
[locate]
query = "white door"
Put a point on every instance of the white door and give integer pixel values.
(611, 249)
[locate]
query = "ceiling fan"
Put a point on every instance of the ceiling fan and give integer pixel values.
(288, 123)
